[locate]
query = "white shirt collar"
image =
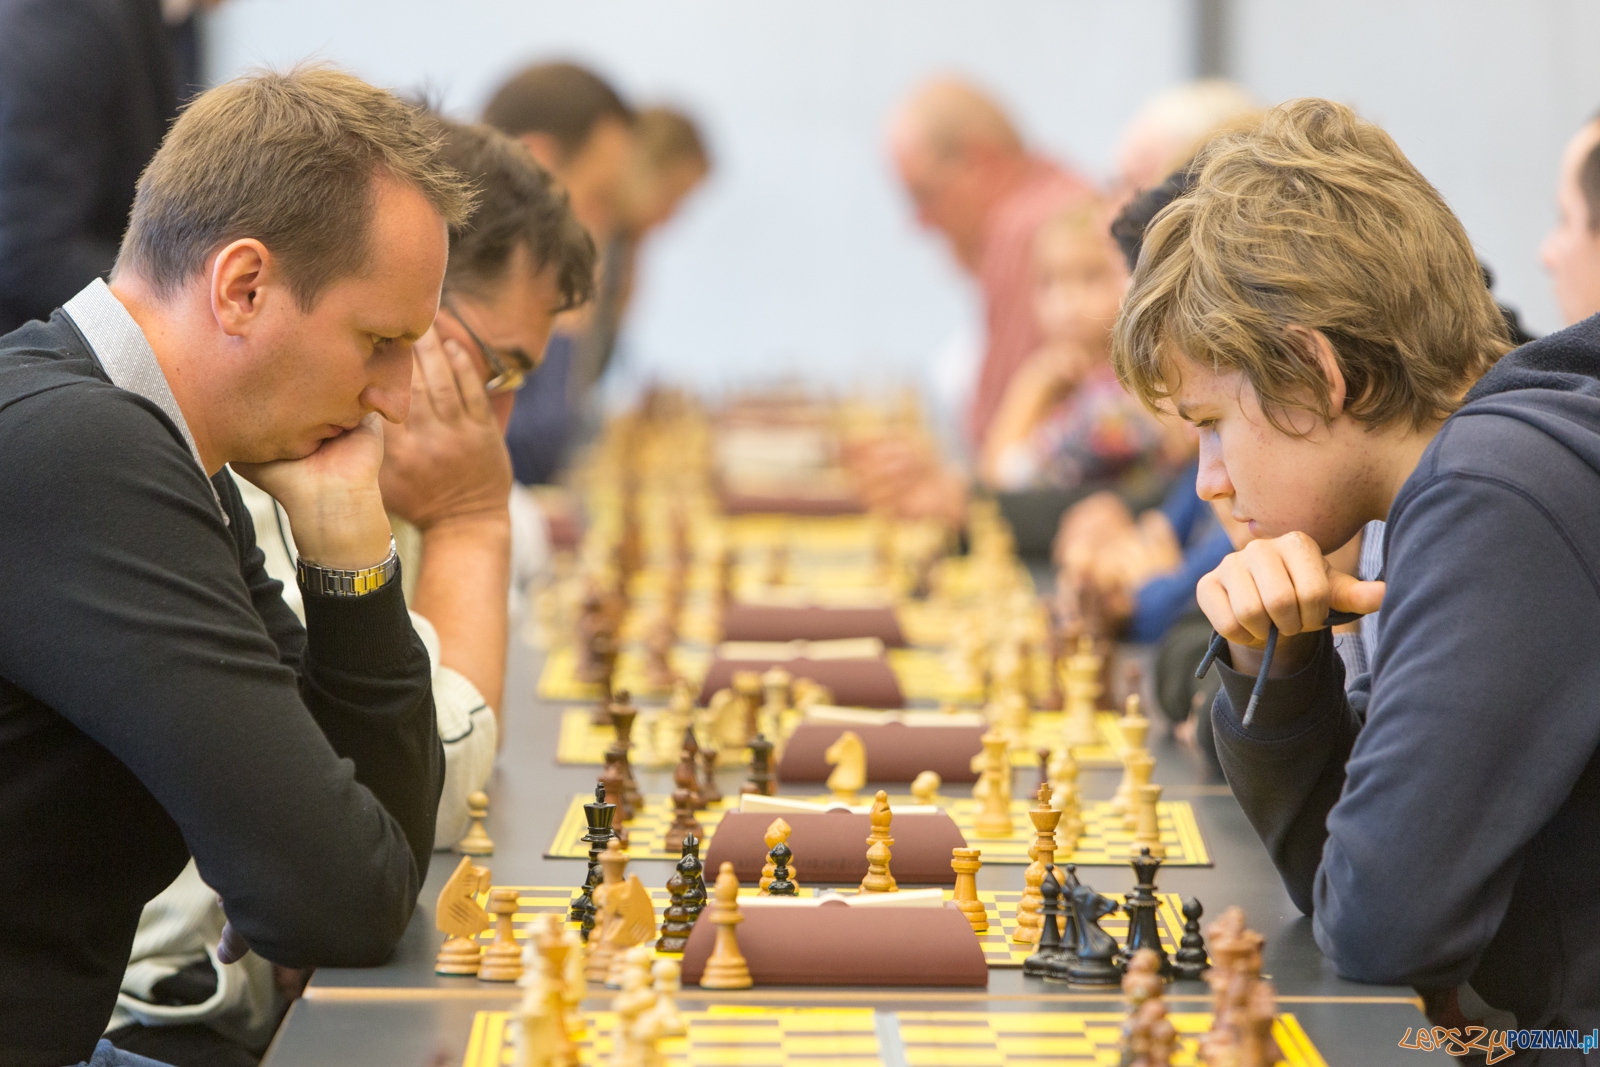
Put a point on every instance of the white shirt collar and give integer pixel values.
(128, 360)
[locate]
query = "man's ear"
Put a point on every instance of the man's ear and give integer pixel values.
(546, 150)
(1314, 344)
(239, 274)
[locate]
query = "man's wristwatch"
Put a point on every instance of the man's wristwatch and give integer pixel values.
(326, 581)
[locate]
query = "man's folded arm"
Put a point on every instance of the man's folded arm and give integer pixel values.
(309, 808)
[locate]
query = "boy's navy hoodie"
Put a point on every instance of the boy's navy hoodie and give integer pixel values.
(1442, 824)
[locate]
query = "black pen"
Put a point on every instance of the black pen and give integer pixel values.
(1335, 618)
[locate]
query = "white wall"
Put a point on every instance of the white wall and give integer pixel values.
(1480, 94)
(800, 256)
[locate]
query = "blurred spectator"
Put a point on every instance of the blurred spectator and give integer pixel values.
(578, 128)
(1165, 131)
(1571, 252)
(87, 90)
(669, 160)
(971, 177)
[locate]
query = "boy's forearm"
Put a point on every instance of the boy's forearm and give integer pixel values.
(461, 588)
(1287, 768)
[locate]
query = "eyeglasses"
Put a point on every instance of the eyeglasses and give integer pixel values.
(509, 367)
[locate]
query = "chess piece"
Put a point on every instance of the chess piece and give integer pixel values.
(683, 821)
(761, 780)
(1064, 794)
(777, 565)
(1144, 929)
(809, 693)
(925, 788)
(1134, 728)
(775, 687)
(726, 715)
(777, 834)
(502, 961)
(782, 885)
(606, 902)
(1047, 955)
(1014, 715)
(689, 751)
(1147, 831)
(676, 923)
(459, 915)
(658, 642)
(599, 816)
(878, 879)
(848, 757)
(1142, 988)
(623, 714)
(1080, 681)
(611, 779)
(667, 975)
(626, 917)
(747, 689)
(709, 793)
(1043, 851)
(965, 862)
(476, 842)
(1096, 960)
(1139, 765)
(726, 968)
(633, 1045)
(544, 1037)
(993, 790)
(694, 894)
(1190, 961)
(674, 720)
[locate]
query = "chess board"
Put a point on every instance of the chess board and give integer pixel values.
(998, 948)
(729, 1035)
(581, 742)
(559, 679)
(1104, 841)
(924, 674)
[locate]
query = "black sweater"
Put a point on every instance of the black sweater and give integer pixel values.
(1441, 823)
(157, 699)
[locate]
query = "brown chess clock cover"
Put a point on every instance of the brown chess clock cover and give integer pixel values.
(895, 752)
(776, 622)
(736, 503)
(860, 683)
(830, 847)
(835, 944)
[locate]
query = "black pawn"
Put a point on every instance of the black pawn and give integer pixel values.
(676, 922)
(781, 886)
(1144, 930)
(694, 894)
(1048, 951)
(761, 780)
(599, 815)
(1191, 960)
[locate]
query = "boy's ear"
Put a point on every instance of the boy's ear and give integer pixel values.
(1314, 344)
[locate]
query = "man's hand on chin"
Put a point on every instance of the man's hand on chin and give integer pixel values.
(331, 496)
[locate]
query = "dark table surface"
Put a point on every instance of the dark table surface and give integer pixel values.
(403, 1013)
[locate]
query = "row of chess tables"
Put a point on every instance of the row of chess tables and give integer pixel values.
(402, 1014)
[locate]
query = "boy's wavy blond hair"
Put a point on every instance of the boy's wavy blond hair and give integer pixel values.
(1311, 217)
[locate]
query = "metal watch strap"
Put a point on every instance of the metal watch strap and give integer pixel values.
(327, 581)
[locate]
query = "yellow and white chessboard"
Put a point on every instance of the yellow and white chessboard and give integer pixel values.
(559, 679)
(729, 1035)
(998, 948)
(1105, 842)
(583, 742)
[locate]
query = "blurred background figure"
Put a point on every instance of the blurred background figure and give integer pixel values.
(87, 90)
(668, 162)
(577, 127)
(1169, 127)
(1571, 252)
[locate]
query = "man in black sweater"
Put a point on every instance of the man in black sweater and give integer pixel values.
(1315, 309)
(157, 698)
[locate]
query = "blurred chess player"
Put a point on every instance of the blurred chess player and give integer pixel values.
(87, 89)
(1571, 252)
(446, 478)
(1167, 129)
(286, 250)
(579, 129)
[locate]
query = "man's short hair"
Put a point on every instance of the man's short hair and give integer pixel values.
(290, 159)
(519, 203)
(1312, 218)
(667, 137)
(563, 100)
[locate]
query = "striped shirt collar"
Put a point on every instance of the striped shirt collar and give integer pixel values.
(128, 360)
